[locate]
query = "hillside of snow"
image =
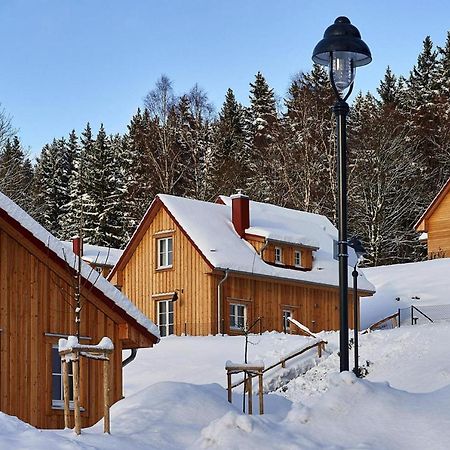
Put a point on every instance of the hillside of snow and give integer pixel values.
(420, 284)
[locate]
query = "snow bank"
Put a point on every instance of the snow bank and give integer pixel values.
(420, 283)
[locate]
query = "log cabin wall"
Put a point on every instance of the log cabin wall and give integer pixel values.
(315, 307)
(439, 230)
(195, 309)
(34, 291)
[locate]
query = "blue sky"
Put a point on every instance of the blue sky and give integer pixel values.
(66, 62)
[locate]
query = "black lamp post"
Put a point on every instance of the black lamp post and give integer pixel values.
(360, 252)
(342, 50)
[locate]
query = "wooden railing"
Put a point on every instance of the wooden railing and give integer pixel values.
(394, 318)
(282, 362)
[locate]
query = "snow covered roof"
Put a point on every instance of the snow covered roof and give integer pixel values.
(209, 226)
(66, 254)
(101, 256)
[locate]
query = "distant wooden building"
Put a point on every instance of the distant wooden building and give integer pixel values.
(37, 308)
(198, 267)
(434, 224)
(102, 259)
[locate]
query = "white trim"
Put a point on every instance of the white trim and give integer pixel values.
(235, 315)
(163, 232)
(280, 259)
(164, 294)
(165, 255)
(299, 252)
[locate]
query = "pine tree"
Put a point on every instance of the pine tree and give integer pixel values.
(100, 203)
(391, 90)
(230, 166)
(16, 173)
(261, 131)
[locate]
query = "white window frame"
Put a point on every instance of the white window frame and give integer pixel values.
(166, 326)
(59, 403)
(164, 255)
(299, 254)
(286, 323)
(234, 316)
(278, 255)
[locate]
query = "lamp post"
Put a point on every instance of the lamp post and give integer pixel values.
(342, 50)
(360, 252)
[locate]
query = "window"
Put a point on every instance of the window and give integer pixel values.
(335, 250)
(57, 380)
(238, 316)
(165, 317)
(286, 323)
(298, 258)
(278, 255)
(165, 252)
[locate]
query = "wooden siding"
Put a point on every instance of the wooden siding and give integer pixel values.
(439, 230)
(315, 307)
(34, 295)
(143, 282)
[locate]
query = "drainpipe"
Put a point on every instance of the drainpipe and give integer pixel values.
(219, 299)
(266, 243)
(127, 361)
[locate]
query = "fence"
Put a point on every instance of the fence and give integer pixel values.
(424, 314)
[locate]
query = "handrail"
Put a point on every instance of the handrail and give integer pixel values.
(380, 322)
(321, 345)
(423, 314)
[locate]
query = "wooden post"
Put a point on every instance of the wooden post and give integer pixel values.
(65, 371)
(229, 387)
(106, 389)
(250, 395)
(319, 349)
(260, 393)
(283, 364)
(76, 392)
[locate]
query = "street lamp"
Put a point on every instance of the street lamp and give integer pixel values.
(360, 251)
(342, 50)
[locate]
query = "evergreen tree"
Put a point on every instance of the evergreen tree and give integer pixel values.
(230, 167)
(16, 173)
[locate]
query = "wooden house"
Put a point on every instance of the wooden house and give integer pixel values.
(37, 309)
(197, 267)
(434, 224)
(101, 258)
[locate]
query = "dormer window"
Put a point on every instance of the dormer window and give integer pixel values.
(297, 258)
(278, 255)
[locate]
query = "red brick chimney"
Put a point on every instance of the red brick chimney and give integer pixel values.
(77, 246)
(240, 213)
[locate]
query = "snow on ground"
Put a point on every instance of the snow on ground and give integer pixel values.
(420, 283)
(200, 360)
(175, 396)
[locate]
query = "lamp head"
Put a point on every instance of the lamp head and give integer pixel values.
(342, 50)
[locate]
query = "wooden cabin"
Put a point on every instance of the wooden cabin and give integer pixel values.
(37, 308)
(101, 258)
(434, 225)
(198, 268)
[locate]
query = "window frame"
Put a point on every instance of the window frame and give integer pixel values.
(168, 326)
(233, 315)
(299, 253)
(279, 260)
(286, 323)
(59, 403)
(167, 255)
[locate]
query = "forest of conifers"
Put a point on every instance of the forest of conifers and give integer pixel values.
(282, 152)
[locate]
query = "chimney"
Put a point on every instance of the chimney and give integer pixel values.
(240, 213)
(77, 246)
